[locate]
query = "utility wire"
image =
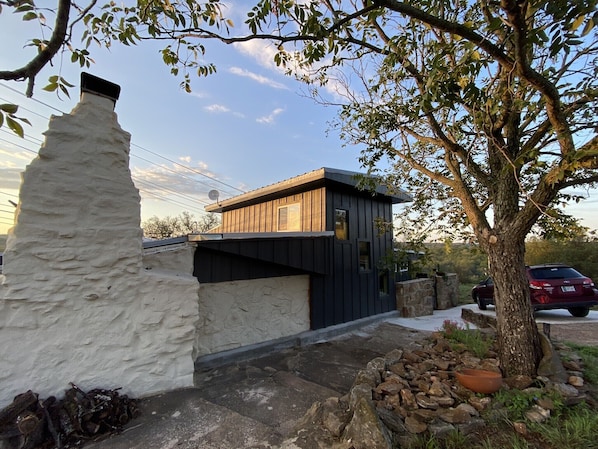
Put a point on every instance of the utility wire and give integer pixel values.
(178, 164)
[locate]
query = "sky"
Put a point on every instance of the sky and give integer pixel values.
(245, 127)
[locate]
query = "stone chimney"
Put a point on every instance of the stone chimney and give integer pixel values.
(78, 217)
(75, 303)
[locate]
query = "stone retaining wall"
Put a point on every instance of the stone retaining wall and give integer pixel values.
(241, 313)
(419, 297)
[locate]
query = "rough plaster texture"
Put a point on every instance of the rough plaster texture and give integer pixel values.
(240, 313)
(76, 304)
(178, 258)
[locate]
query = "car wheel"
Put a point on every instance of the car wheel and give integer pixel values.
(481, 302)
(579, 312)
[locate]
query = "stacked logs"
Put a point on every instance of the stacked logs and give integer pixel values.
(31, 423)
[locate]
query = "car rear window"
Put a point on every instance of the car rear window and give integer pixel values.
(555, 273)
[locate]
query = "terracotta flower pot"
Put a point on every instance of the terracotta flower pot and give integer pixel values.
(479, 380)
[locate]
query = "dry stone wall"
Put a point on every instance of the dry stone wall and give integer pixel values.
(419, 297)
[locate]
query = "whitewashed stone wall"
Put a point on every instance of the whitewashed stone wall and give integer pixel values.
(76, 304)
(240, 313)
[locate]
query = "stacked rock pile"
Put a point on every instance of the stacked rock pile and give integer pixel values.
(412, 392)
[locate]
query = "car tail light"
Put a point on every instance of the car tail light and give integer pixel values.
(588, 283)
(538, 285)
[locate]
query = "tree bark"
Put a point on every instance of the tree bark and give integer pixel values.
(518, 339)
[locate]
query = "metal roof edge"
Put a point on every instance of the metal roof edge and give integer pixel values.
(255, 235)
(346, 177)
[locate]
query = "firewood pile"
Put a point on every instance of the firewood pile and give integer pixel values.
(31, 423)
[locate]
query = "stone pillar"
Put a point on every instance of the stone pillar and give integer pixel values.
(447, 291)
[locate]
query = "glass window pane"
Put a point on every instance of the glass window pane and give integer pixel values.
(289, 217)
(341, 224)
(364, 256)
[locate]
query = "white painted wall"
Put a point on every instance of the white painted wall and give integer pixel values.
(240, 313)
(76, 303)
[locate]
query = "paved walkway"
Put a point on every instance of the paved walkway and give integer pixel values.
(255, 404)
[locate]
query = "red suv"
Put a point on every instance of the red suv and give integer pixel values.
(552, 286)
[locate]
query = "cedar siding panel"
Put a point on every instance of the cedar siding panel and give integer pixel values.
(262, 217)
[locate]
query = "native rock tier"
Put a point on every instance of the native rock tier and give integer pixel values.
(407, 393)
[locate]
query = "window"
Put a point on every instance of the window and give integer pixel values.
(341, 224)
(289, 217)
(383, 285)
(364, 256)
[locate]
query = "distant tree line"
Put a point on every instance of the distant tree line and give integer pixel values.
(471, 265)
(180, 225)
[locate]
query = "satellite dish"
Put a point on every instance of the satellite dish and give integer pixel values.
(213, 195)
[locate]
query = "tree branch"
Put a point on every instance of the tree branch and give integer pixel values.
(56, 41)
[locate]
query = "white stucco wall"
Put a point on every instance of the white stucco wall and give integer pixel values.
(240, 313)
(76, 304)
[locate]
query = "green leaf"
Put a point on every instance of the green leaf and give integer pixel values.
(9, 108)
(15, 126)
(29, 16)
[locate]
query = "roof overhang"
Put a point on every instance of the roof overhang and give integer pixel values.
(321, 177)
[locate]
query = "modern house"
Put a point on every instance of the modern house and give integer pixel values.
(321, 224)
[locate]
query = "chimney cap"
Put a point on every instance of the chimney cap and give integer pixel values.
(98, 86)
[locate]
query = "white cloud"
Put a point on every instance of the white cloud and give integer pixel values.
(261, 51)
(10, 178)
(270, 118)
(198, 94)
(258, 78)
(216, 108)
(189, 178)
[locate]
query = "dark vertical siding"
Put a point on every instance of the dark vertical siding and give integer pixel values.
(354, 294)
(346, 293)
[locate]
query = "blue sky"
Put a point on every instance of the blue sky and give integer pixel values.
(246, 126)
(249, 125)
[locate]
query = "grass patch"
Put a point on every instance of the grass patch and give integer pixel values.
(472, 339)
(589, 356)
(465, 293)
(575, 428)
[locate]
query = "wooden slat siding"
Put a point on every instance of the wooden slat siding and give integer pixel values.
(263, 217)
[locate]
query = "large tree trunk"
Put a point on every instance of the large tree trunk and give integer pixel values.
(518, 338)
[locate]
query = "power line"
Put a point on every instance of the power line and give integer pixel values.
(189, 168)
(16, 144)
(171, 170)
(158, 186)
(9, 194)
(178, 164)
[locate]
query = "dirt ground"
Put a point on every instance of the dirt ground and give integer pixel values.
(583, 334)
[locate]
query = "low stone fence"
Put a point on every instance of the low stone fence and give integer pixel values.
(419, 297)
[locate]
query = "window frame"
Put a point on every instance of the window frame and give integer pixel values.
(294, 216)
(346, 223)
(367, 267)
